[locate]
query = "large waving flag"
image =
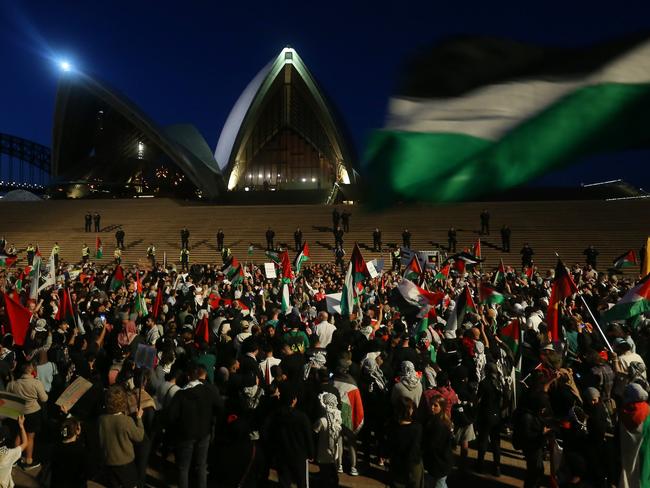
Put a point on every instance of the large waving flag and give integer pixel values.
(356, 272)
(19, 319)
(563, 287)
(118, 278)
(480, 115)
(464, 302)
(626, 260)
(511, 335)
(413, 271)
(302, 257)
(487, 294)
(7, 261)
(635, 302)
(414, 295)
(285, 263)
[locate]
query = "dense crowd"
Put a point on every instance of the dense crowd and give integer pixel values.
(241, 384)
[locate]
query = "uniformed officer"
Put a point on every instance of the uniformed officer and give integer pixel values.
(269, 239)
(376, 240)
(451, 239)
(55, 253)
(85, 253)
(31, 250)
(339, 254)
(151, 254)
(297, 239)
(185, 259)
(117, 255)
(406, 238)
(220, 237)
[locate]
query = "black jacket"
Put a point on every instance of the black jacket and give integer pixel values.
(437, 452)
(191, 412)
(288, 436)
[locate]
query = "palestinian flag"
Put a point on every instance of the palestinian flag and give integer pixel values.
(487, 294)
(626, 260)
(35, 274)
(428, 319)
(140, 304)
(563, 287)
(65, 312)
(347, 294)
(635, 302)
(416, 296)
(528, 272)
(464, 302)
(511, 335)
(413, 271)
(500, 275)
(157, 305)
(118, 278)
(7, 261)
(19, 318)
(202, 330)
(273, 256)
(302, 257)
(466, 111)
(287, 272)
(286, 300)
(443, 274)
(234, 272)
(359, 268)
(476, 249)
(99, 250)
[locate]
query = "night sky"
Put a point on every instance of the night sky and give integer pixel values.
(188, 62)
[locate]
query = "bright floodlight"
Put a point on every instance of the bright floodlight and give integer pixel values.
(65, 66)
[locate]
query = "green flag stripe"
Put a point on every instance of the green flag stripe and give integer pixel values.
(589, 120)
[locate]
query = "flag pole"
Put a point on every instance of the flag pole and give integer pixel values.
(609, 346)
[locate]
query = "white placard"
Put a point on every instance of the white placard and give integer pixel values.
(333, 302)
(371, 269)
(269, 270)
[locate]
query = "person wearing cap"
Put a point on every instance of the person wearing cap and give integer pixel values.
(32, 390)
(633, 430)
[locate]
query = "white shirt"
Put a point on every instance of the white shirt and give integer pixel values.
(6, 463)
(324, 331)
(533, 321)
(267, 364)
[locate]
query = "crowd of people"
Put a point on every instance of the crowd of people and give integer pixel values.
(243, 382)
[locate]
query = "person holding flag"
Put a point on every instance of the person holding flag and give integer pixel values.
(99, 251)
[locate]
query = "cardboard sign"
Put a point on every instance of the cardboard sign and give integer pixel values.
(73, 393)
(132, 401)
(269, 270)
(145, 356)
(11, 406)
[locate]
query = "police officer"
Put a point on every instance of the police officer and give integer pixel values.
(336, 218)
(297, 239)
(485, 222)
(345, 218)
(55, 253)
(30, 254)
(220, 236)
(338, 237)
(151, 254)
(185, 259)
(526, 255)
(88, 220)
(592, 255)
(269, 239)
(376, 240)
(117, 255)
(406, 238)
(85, 253)
(451, 239)
(97, 219)
(119, 238)
(505, 238)
(339, 254)
(185, 238)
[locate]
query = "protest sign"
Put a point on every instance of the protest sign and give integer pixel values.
(269, 270)
(73, 393)
(11, 406)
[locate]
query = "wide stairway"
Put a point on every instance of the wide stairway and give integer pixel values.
(563, 227)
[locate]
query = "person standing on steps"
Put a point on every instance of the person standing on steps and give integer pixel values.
(406, 238)
(269, 239)
(88, 221)
(485, 222)
(117, 255)
(297, 239)
(119, 238)
(592, 255)
(220, 237)
(345, 218)
(336, 218)
(31, 251)
(526, 255)
(395, 256)
(97, 219)
(338, 237)
(505, 238)
(376, 240)
(185, 259)
(452, 240)
(185, 238)
(85, 253)
(339, 254)
(56, 249)
(151, 255)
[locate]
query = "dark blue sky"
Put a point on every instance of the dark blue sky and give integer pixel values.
(189, 61)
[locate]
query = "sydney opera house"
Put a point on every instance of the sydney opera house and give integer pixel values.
(282, 135)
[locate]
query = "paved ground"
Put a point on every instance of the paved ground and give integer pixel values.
(373, 476)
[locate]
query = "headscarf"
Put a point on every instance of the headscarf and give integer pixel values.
(408, 377)
(334, 421)
(317, 361)
(370, 366)
(127, 335)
